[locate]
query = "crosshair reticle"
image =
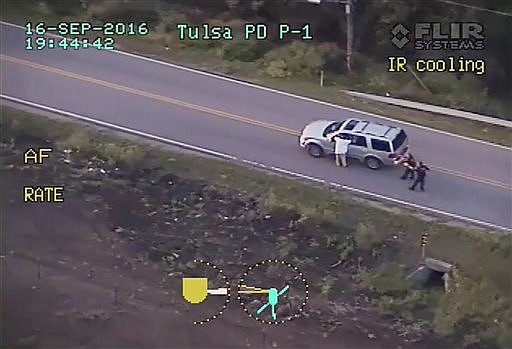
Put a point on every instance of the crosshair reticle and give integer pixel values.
(273, 291)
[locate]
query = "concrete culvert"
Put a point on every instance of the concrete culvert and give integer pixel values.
(431, 273)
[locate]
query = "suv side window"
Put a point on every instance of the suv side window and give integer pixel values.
(331, 128)
(347, 136)
(350, 125)
(381, 145)
(360, 141)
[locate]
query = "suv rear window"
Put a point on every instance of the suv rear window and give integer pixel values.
(378, 144)
(399, 140)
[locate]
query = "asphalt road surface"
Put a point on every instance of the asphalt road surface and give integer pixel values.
(470, 179)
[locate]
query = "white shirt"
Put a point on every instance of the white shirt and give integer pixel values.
(341, 145)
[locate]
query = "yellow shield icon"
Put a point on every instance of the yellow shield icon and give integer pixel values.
(195, 290)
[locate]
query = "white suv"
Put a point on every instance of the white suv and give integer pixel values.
(372, 143)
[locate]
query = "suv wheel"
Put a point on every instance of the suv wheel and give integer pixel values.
(315, 150)
(373, 163)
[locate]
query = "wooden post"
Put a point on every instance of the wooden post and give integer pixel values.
(350, 35)
(321, 78)
(422, 84)
(424, 243)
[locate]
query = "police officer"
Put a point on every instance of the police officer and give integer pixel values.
(421, 172)
(408, 161)
(410, 166)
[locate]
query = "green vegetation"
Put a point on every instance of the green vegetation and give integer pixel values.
(328, 283)
(318, 227)
(366, 236)
(294, 66)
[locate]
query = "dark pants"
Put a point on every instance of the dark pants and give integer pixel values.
(408, 172)
(420, 181)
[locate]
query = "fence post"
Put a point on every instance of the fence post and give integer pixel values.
(424, 243)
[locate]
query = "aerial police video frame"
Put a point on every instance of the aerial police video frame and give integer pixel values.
(267, 174)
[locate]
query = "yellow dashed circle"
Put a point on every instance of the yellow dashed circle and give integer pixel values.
(301, 308)
(227, 297)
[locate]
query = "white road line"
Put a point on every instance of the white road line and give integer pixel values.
(268, 89)
(253, 163)
(296, 174)
(425, 208)
(231, 157)
(120, 128)
(337, 185)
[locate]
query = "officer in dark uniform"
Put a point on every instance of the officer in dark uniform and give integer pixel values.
(421, 172)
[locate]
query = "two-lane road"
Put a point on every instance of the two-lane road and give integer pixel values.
(471, 179)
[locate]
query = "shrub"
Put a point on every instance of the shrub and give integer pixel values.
(391, 283)
(328, 283)
(384, 282)
(124, 11)
(345, 251)
(377, 79)
(408, 302)
(64, 8)
(277, 69)
(335, 61)
(241, 51)
(468, 91)
(23, 128)
(169, 21)
(79, 141)
(123, 155)
(298, 58)
(366, 236)
(285, 246)
(6, 128)
(245, 51)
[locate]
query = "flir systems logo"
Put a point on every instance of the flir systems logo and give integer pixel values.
(440, 36)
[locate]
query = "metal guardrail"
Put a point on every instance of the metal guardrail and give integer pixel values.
(433, 108)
